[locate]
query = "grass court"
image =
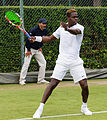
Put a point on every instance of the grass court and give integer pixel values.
(19, 102)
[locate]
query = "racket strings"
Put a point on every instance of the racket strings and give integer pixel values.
(16, 23)
(14, 18)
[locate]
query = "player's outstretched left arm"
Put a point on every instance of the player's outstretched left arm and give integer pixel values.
(72, 31)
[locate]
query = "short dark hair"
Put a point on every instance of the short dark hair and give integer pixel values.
(68, 12)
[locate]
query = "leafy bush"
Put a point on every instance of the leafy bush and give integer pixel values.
(93, 49)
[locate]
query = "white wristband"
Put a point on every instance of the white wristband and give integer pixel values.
(38, 38)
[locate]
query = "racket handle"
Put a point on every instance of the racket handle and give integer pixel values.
(27, 35)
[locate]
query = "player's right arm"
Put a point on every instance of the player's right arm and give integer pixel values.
(43, 39)
(48, 38)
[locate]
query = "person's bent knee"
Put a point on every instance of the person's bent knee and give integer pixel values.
(53, 83)
(83, 83)
(43, 64)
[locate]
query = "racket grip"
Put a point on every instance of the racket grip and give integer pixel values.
(27, 35)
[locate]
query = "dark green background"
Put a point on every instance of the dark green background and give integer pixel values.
(93, 49)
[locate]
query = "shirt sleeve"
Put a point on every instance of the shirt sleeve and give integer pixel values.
(57, 33)
(79, 27)
(31, 32)
(28, 44)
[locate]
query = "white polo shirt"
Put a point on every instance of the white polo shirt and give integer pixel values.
(69, 47)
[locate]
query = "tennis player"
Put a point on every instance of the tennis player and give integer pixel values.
(35, 49)
(71, 36)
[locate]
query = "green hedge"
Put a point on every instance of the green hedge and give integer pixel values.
(94, 46)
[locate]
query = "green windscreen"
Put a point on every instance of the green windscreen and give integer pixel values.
(13, 17)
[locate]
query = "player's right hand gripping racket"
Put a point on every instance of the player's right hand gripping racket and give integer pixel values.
(15, 20)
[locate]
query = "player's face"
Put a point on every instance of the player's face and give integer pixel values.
(73, 19)
(42, 26)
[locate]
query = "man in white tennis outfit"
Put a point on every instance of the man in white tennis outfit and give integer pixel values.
(71, 36)
(35, 49)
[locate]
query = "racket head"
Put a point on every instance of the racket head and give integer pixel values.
(13, 18)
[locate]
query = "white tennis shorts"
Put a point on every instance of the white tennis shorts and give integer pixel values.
(76, 69)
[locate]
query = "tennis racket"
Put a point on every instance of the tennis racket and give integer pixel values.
(15, 20)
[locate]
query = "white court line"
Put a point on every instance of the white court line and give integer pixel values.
(60, 115)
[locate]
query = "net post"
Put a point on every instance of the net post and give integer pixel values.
(21, 33)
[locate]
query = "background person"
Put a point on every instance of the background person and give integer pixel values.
(71, 36)
(34, 49)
